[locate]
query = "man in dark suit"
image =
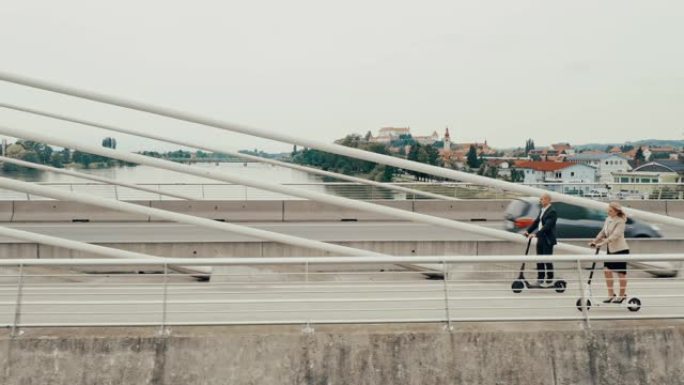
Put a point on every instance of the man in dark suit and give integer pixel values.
(544, 229)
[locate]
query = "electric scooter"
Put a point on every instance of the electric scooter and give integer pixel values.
(521, 282)
(631, 303)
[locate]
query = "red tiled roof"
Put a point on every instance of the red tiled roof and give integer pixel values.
(544, 165)
(662, 149)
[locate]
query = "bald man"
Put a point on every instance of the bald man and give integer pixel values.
(544, 229)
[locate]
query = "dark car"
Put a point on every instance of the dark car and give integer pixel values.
(573, 221)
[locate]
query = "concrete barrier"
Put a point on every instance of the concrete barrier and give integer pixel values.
(656, 207)
(256, 248)
(6, 211)
(61, 211)
(675, 208)
(541, 353)
(277, 210)
(296, 210)
(230, 211)
(480, 209)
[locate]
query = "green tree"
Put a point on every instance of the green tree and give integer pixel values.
(31, 156)
(66, 156)
(42, 151)
(57, 160)
(626, 148)
(517, 176)
(387, 173)
(492, 172)
(529, 146)
(471, 159)
(422, 154)
(109, 143)
(83, 158)
(433, 155)
(660, 155)
(639, 156)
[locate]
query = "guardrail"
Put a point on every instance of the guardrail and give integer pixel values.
(227, 191)
(322, 290)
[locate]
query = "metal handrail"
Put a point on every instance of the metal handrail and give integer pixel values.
(246, 261)
(34, 298)
(356, 191)
(449, 183)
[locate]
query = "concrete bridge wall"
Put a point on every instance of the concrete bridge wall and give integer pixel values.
(627, 353)
(281, 211)
(271, 249)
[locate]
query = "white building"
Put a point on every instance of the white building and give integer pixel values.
(605, 164)
(388, 134)
(557, 173)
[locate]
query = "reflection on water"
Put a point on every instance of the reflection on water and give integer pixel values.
(25, 174)
(147, 174)
(192, 185)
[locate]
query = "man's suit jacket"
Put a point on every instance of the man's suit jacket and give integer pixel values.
(548, 231)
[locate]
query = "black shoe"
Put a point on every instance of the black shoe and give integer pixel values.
(611, 299)
(549, 281)
(619, 300)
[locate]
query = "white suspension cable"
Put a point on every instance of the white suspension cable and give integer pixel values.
(93, 249)
(177, 217)
(338, 201)
(333, 148)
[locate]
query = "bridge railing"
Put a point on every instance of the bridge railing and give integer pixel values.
(227, 191)
(325, 290)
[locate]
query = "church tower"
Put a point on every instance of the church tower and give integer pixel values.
(447, 140)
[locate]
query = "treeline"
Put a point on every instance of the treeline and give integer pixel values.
(346, 165)
(182, 154)
(36, 152)
(42, 153)
(351, 166)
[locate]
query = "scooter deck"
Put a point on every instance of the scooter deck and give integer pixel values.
(537, 286)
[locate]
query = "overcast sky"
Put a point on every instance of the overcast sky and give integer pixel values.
(502, 70)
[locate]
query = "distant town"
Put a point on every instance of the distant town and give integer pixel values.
(560, 166)
(572, 169)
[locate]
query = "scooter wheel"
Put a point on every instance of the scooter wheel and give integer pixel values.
(579, 304)
(634, 304)
(560, 286)
(517, 286)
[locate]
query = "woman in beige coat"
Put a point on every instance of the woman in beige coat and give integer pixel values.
(613, 235)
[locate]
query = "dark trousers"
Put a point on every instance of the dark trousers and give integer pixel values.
(544, 269)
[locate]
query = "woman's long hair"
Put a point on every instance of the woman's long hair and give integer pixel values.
(618, 209)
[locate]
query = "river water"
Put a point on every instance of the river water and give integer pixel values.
(151, 175)
(197, 187)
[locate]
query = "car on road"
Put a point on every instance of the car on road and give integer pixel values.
(573, 221)
(597, 193)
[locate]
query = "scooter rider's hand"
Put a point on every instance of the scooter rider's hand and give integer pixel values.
(530, 236)
(526, 234)
(592, 244)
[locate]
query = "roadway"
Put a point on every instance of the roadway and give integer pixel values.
(475, 293)
(281, 295)
(116, 232)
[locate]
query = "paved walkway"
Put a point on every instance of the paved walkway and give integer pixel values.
(278, 295)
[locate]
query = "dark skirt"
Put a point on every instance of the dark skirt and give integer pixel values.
(618, 267)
